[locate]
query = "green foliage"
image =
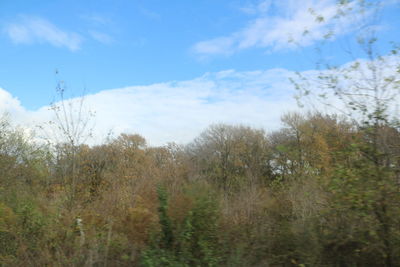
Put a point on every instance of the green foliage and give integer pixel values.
(167, 237)
(8, 242)
(31, 223)
(191, 242)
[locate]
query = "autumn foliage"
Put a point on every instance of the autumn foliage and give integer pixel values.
(314, 193)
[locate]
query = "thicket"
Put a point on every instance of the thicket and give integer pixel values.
(315, 193)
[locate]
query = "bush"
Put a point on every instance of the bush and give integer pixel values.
(192, 241)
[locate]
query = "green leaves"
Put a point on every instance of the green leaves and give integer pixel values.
(191, 242)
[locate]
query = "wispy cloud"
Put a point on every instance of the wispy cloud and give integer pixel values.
(252, 8)
(29, 30)
(278, 23)
(101, 37)
(149, 14)
(97, 19)
(100, 27)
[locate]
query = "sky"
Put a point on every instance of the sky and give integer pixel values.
(168, 69)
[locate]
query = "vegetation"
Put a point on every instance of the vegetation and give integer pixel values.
(318, 192)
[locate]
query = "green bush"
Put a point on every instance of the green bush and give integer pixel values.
(192, 242)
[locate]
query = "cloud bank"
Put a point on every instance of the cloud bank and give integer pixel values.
(178, 111)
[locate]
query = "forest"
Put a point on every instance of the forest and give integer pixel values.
(321, 191)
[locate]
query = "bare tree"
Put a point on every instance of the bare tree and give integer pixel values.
(69, 129)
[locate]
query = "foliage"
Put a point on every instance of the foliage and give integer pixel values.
(319, 192)
(187, 241)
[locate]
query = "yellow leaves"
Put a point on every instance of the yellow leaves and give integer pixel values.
(179, 207)
(137, 223)
(130, 142)
(321, 152)
(7, 218)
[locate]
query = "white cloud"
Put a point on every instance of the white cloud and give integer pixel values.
(283, 24)
(30, 30)
(178, 111)
(11, 105)
(363, 84)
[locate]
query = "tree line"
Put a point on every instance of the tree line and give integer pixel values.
(321, 191)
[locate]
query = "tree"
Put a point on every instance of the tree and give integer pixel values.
(231, 155)
(21, 160)
(66, 133)
(367, 91)
(308, 144)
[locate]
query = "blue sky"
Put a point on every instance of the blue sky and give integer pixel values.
(237, 50)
